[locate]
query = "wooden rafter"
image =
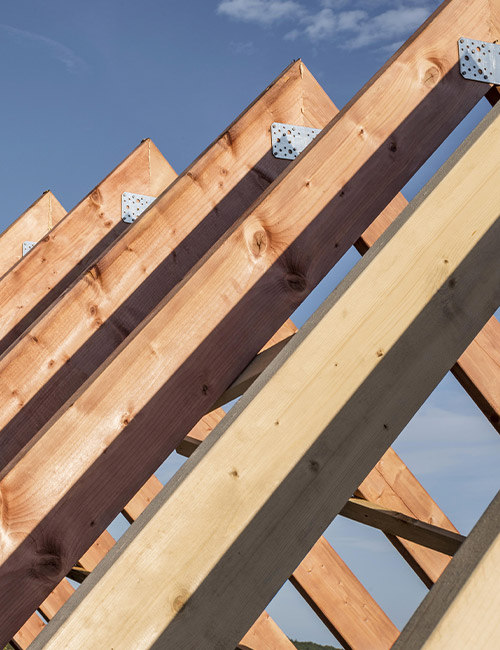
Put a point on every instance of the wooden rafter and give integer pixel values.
(267, 497)
(85, 232)
(243, 254)
(462, 610)
(87, 325)
(35, 222)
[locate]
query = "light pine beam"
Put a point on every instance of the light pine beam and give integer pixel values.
(286, 459)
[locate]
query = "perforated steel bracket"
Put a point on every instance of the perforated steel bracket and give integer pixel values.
(479, 60)
(133, 205)
(27, 246)
(289, 140)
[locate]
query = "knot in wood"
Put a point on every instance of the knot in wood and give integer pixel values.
(431, 76)
(258, 243)
(180, 601)
(314, 466)
(96, 196)
(295, 281)
(95, 273)
(48, 564)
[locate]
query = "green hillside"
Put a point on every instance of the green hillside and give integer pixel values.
(309, 645)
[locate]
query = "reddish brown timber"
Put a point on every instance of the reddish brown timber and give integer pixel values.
(285, 461)
(76, 241)
(87, 324)
(45, 213)
(341, 601)
(392, 485)
(131, 511)
(210, 327)
(478, 370)
(56, 599)
(265, 635)
(28, 633)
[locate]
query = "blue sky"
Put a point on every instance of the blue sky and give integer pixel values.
(84, 82)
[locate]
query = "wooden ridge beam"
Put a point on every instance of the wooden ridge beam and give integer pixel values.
(76, 241)
(355, 375)
(87, 325)
(231, 303)
(461, 611)
(35, 222)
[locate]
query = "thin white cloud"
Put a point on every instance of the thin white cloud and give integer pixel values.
(321, 25)
(358, 23)
(264, 12)
(392, 24)
(246, 47)
(60, 52)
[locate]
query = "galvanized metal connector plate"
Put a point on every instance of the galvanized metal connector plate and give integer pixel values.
(479, 60)
(27, 246)
(289, 140)
(133, 205)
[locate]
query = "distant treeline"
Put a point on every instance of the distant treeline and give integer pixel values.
(309, 645)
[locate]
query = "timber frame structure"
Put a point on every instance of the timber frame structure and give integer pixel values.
(140, 333)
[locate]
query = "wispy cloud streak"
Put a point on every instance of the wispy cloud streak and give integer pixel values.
(71, 61)
(357, 23)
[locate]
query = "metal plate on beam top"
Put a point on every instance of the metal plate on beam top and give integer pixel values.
(289, 140)
(27, 246)
(479, 60)
(133, 205)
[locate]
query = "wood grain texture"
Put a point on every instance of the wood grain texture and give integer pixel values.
(87, 325)
(28, 633)
(58, 596)
(35, 222)
(282, 465)
(461, 611)
(210, 327)
(342, 603)
(392, 485)
(40, 277)
(478, 370)
(265, 635)
(328, 585)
